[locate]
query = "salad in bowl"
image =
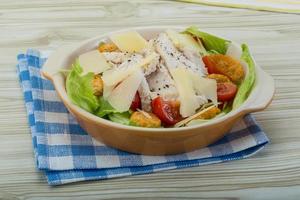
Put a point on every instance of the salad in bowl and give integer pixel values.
(174, 79)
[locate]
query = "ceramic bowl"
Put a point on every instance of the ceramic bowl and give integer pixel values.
(150, 141)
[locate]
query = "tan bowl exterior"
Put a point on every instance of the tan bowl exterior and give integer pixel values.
(152, 141)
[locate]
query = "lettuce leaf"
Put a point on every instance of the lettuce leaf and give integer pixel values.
(105, 108)
(121, 118)
(80, 90)
(249, 80)
(211, 43)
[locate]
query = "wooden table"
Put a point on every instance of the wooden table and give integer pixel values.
(274, 38)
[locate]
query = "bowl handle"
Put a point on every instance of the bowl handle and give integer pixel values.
(56, 61)
(263, 94)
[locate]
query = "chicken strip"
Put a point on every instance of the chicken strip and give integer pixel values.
(116, 57)
(161, 84)
(172, 57)
(145, 95)
(195, 57)
(150, 49)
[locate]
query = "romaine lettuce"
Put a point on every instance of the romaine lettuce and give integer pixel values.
(105, 108)
(80, 90)
(121, 118)
(248, 82)
(211, 43)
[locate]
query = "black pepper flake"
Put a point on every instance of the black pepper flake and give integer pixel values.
(158, 94)
(167, 86)
(172, 54)
(158, 88)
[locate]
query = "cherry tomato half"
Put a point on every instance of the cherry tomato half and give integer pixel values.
(226, 91)
(166, 111)
(136, 102)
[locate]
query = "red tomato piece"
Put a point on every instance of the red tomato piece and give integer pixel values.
(166, 111)
(226, 91)
(136, 102)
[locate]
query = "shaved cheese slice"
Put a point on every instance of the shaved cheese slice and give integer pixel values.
(234, 50)
(130, 41)
(184, 41)
(121, 97)
(116, 75)
(93, 61)
(187, 96)
(205, 86)
(107, 90)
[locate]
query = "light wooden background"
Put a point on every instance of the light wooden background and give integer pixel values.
(274, 38)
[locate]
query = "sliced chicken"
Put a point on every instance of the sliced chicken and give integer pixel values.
(150, 49)
(195, 58)
(145, 95)
(161, 84)
(130, 61)
(152, 66)
(190, 48)
(118, 73)
(157, 80)
(116, 57)
(173, 58)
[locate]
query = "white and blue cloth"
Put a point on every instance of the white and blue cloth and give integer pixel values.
(66, 153)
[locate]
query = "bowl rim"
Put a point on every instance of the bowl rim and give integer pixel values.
(61, 91)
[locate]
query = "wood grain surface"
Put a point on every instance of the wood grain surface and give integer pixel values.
(274, 39)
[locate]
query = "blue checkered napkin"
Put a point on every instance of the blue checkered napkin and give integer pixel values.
(67, 154)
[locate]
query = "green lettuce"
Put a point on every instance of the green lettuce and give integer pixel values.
(121, 118)
(107, 111)
(248, 82)
(105, 108)
(211, 43)
(80, 89)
